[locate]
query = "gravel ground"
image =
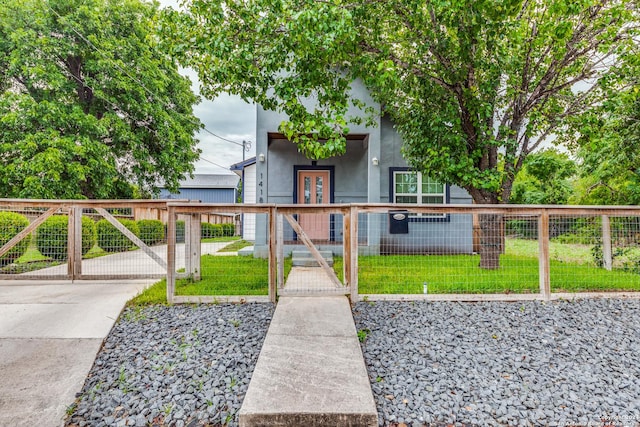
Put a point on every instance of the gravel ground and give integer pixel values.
(566, 363)
(177, 366)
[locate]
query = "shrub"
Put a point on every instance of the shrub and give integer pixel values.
(51, 237)
(208, 230)
(110, 239)
(151, 231)
(228, 229)
(12, 223)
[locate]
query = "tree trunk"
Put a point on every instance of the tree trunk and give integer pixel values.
(490, 241)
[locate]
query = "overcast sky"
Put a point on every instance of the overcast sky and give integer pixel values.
(227, 116)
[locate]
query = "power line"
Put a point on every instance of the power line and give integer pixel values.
(117, 110)
(243, 144)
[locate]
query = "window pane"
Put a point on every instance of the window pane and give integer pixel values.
(318, 189)
(406, 182)
(432, 200)
(307, 190)
(406, 199)
(430, 186)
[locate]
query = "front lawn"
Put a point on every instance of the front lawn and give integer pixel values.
(571, 265)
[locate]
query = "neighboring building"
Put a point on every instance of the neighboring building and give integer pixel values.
(371, 171)
(208, 188)
(246, 170)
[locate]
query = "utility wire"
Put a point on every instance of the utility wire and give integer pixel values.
(118, 110)
(149, 91)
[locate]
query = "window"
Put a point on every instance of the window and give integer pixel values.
(415, 187)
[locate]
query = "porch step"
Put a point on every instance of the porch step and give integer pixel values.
(303, 258)
(310, 371)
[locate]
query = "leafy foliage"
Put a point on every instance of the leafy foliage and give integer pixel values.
(208, 230)
(473, 87)
(151, 231)
(90, 107)
(110, 239)
(52, 237)
(544, 179)
(228, 229)
(12, 223)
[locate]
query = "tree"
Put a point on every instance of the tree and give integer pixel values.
(608, 150)
(544, 179)
(473, 87)
(89, 106)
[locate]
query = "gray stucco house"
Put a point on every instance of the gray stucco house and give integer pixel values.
(371, 171)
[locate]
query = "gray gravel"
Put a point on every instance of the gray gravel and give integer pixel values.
(174, 366)
(562, 363)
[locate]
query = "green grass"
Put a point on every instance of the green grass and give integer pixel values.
(571, 270)
(220, 239)
(236, 246)
(221, 275)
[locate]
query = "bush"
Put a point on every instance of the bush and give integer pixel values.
(51, 237)
(151, 231)
(11, 224)
(110, 239)
(228, 229)
(208, 230)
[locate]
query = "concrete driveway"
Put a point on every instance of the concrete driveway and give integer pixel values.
(50, 333)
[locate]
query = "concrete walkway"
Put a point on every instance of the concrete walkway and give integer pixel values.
(50, 333)
(132, 262)
(310, 371)
(307, 281)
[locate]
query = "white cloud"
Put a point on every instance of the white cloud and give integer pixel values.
(227, 116)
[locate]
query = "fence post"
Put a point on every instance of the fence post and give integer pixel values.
(543, 245)
(74, 243)
(607, 259)
(354, 254)
(273, 212)
(195, 246)
(171, 253)
(280, 249)
(346, 246)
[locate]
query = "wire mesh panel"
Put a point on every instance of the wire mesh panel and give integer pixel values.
(83, 240)
(444, 253)
(214, 259)
(33, 241)
(594, 253)
(313, 250)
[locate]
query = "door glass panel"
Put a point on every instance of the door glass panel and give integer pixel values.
(307, 190)
(319, 185)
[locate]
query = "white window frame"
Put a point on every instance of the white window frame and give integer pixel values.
(419, 195)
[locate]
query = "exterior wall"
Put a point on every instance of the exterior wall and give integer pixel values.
(249, 197)
(206, 195)
(357, 180)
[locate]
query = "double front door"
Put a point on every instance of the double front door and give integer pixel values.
(313, 188)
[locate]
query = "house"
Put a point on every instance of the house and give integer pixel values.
(208, 188)
(372, 170)
(246, 170)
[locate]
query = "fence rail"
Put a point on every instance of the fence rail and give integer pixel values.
(374, 251)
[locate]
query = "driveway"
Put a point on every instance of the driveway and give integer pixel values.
(50, 333)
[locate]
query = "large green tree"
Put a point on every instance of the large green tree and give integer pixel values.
(472, 86)
(545, 179)
(607, 141)
(89, 105)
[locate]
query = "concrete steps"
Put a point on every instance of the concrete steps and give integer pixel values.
(303, 258)
(310, 371)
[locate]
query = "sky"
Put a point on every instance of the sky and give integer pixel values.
(227, 116)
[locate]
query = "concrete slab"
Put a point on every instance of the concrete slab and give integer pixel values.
(40, 378)
(310, 280)
(310, 371)
(50, 333)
